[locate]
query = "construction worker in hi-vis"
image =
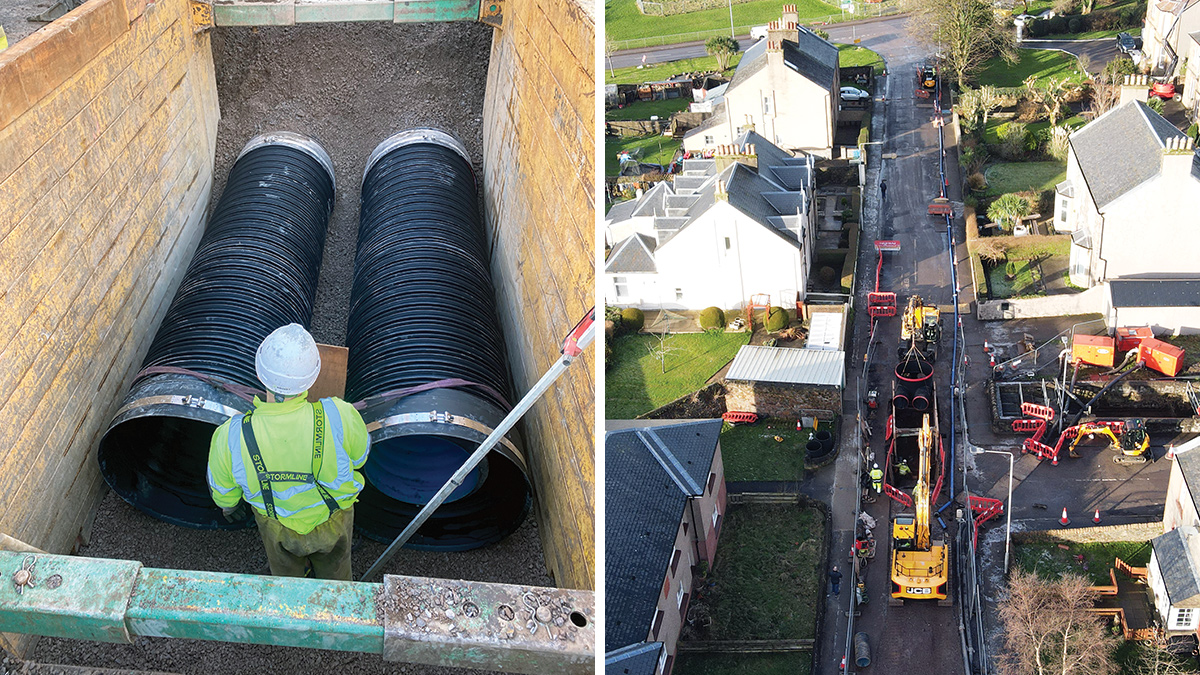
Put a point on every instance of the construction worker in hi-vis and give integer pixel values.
(295, 463)
(876, 478)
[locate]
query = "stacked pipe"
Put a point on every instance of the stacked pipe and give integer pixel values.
(914, 383)
(426, 354)
(255, 270)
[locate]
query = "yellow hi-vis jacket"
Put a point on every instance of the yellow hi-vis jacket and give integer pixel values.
(286, 437)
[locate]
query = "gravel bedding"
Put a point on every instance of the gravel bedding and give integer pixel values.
(350, 86)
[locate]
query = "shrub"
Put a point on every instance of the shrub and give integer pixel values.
(1193, 130)
(777, 319)
(1015, 140)
(977, 181)
(1076, 24)
(632, 319)
(824, 35)
(612, 314)
(1104, 21)
(1064, 6)
(1038, 28)
(1058, 24)
(847, 215)
(826, 274)
(712, 317)
(1156, 104)
(864, 130)
(1010, 270)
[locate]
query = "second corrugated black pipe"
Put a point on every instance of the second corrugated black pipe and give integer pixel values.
(422, 312)
(255, 270)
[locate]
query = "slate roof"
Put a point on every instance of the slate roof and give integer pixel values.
(1176, 553)
(1189, 466)
(1121, 149)
(640, 658)
(808, 55)
(621, 211)
(1155, 293)
(634, 255)
(650, 474)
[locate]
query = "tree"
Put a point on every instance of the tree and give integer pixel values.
(966, 32)
(665, 347)
(723, 47)
(1007, 210)
(989, 100)
(1106, 91)
(1149, 659)
(1050, 97)
(1047, 628)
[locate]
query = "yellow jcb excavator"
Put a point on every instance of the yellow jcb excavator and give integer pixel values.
(920, 566)
(1131, 442)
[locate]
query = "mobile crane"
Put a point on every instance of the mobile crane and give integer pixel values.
(920, 566)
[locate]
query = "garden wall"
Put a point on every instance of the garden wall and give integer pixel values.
(1092, 535)
(780, 400)
(704, 404)
(1092, 301)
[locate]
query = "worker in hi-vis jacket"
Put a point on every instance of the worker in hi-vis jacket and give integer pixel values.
(294, 462)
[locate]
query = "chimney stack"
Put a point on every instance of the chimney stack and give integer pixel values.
(777, 32)
(1135, 88)
(790, 15)
(1178, 156)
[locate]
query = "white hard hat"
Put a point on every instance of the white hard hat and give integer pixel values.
(874, 466)
(287, 361)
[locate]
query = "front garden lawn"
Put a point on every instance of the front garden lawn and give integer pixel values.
(1024, 251)
(644, 110)
(769, 577)
(635, 383)
(1094, 34)
(1022, 176)
(658, 72)
(750, 451)
(1049, 561)
(1041, 63)
(991, 133)
(623, 21)
(656, 149)
(788, 663)
(1024, 284)
(853, 55)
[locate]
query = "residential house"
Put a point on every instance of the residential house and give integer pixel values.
(1165, 34)
(739, 224)
(786, 88)
(664, 495)
(1166, 305)
(1129, 198)
(1174, 570)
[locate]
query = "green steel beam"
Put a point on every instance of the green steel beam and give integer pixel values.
(291, 12)
(522, 629)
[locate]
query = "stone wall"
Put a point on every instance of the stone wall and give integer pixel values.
(539, 187)
(1091, 535)
(1091, 301)
(780, 400)
(705, 404)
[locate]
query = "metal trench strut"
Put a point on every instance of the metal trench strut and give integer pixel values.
(523, 629)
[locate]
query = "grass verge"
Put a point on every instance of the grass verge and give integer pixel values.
(1043, 64)
(853, 55)
(656, 149)
(769, 577)
(1023, 176)
(750, 451)
(623, 21)
(658, 72)
(635, 383)
(794, 663)
(1050, 561)
(991, 133)
(644, 110)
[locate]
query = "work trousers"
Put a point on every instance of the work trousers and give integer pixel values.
(326, 548)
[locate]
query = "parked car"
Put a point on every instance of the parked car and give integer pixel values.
(854, 94)
(1126, 43)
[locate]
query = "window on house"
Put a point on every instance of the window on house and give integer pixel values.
(657, 625)
(679, 596)
(708, 140)
(668, 664)
(621, 285)
(726, 243)
(712, 480)
(667, 587)
(679, 294)
(1064, 210)
(716, 516)
(662, 660)
(685, 527)
(1183, 617)
(766, 105)
(675, 561)
(683, 598)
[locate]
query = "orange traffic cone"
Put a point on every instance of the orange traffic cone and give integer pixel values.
(799, 425)
(1096, 518)
(1064, 521)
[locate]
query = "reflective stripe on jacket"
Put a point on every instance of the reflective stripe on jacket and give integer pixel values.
(284, 432)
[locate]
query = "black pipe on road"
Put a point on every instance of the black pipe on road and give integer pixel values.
(254, 270)
(422, 310)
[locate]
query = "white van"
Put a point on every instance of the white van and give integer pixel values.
(758, 32)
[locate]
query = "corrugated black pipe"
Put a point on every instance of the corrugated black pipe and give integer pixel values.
(255, 270)
(422, 309)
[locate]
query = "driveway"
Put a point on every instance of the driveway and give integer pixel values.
(1099, 51)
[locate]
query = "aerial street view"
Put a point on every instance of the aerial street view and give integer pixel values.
(298, 360)
(900, 337)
